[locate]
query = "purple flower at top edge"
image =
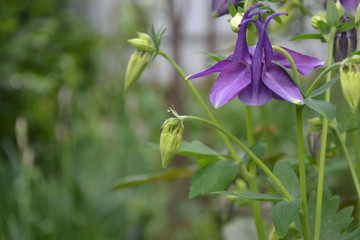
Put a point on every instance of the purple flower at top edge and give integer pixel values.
(251, 75)
(349, 5)
(220, 7)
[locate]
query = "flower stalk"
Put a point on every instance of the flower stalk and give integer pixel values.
(225, 132)
(322, 157)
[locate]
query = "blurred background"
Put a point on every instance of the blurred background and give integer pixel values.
(69, 132)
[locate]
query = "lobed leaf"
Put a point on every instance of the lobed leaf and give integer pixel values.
(283, 214)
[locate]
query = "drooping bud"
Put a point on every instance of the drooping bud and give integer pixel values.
(235, 21)
(143, 43)
(350, 83)
(314, 142)
(345, 42)
(137, 63)
(170, 140)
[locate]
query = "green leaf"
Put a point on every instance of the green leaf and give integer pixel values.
(214, 56)
(332, 14)
(288, 178)
(323, 88)
(196, 148)
(257, 149)
(232, 8)
(354, 235)
(324, 108)
(308, 36)
(333, 223)
(283, 214)
(213, 177)
(252, 196)
(153, 177)
(346, 26)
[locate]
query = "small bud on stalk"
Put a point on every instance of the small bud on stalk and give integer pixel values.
(350, 83)
(170, 139)
(235, 22)
(143, 43)
(137, 63)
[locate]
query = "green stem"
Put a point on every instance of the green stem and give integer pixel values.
(202, 103)
(265, 125)
(256, 207)
(321, 75)
(247, 4)
(322, 158)
(302, 174)
(291, 61)
(355, 142)
(349, 162)
(246, 150)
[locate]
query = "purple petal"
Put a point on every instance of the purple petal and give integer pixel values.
(220, 7)
(349, 5)
(234, 78)
(218, 67)
(278, 81)
(304, 63)
(255, 95)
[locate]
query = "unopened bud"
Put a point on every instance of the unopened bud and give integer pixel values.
(317, 21)
(345, 42)
(142, 43)
(235, 21)
(350, 83)
(339, 7)
(137, 63)
(314, 143)
(357, 16)
(170, 140)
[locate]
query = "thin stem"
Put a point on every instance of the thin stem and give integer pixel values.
(321, 75)
(349, 162)
(322, 158)
(355, 142)
(265, 124)
(247, 4)
(302, 173)
(202, 103)
(256, 207)
(246, 150)
(291, 61)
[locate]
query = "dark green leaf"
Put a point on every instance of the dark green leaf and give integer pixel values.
(323, 88)
(258, 150)
(153, 177)
(355, 53)
(346, 26)
(333, 223)
(232, 8)
(283, 214)
(307, 36)
(213, 177)
(324, 108)
(252, 196)
(214, 56)
(288, 178)
(332, 14)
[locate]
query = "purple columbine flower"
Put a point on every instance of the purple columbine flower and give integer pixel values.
(250, 73)
(220, 7)
(345, 42)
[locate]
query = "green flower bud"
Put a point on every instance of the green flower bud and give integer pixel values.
(235, 21)
(137, 63)
(317, 21)
(350, 83)
(170, 140)
(357, 16)
(143, 43)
